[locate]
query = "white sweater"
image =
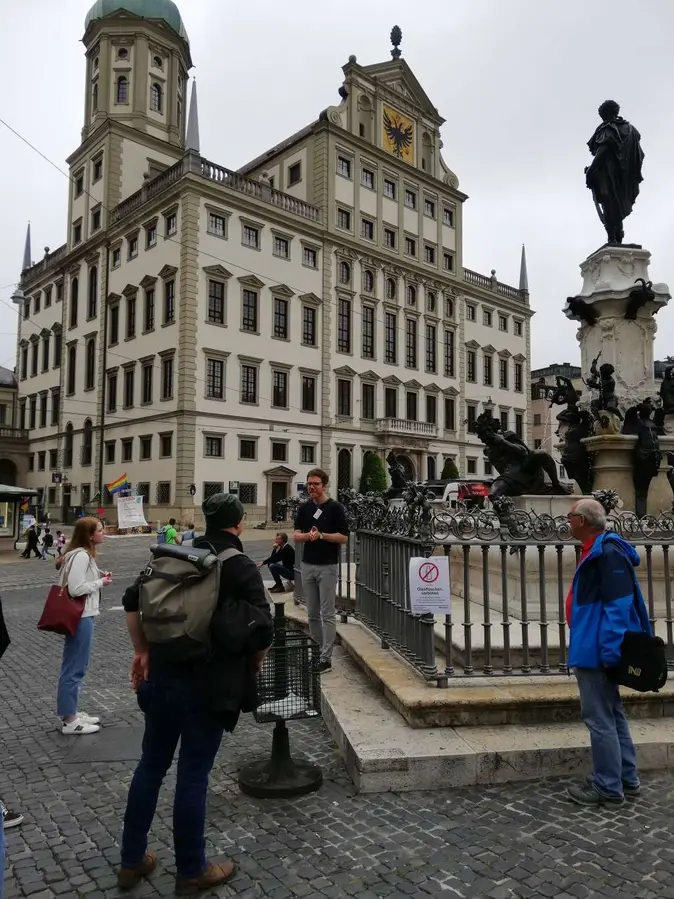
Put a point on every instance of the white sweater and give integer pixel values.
(84, 579)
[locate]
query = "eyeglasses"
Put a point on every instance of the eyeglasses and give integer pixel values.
(314, 483)
(575, 515)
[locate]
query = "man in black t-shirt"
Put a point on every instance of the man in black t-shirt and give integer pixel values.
(321, 526)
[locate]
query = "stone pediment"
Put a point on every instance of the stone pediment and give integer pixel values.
(311, 299)
(130, 290)
(345, 371)
(45, 332)
(413, 385)
(147, 282)
(520, 358)
(251, 281)
(489, 349)
(450, 391)
(391, 381)
(217, 271)
(56, 327)
(505, 354)
(432, 388)
(399, 78)
(168, 271)
(23, 343)
(280, 471)
(114, 297)
(472, 345)
(282, 290)
(369, 375)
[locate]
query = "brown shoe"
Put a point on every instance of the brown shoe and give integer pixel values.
(276, 589)
(127, 878)
(214, 876)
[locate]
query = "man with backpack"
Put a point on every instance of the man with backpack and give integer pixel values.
(200, 622)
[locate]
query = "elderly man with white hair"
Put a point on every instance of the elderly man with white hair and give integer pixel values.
(606, 602)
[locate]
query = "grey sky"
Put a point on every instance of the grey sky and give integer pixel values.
(518, 81)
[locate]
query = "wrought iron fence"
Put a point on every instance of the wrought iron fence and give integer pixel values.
(510, 573)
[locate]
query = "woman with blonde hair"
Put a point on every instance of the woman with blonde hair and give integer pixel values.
(83, 578)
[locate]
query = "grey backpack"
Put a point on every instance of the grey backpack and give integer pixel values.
(179, 592)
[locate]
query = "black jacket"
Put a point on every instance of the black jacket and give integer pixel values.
(283, 554)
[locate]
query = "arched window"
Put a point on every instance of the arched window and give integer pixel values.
(90, 366)
(156, 98)
(72, 368)
(368, 281)
(68, 447)
(449, 308)
(87, 442)
(427, 153)
(411, 295)
(364, 117)
(122, 92)
(344, 273)
(430, 301)
(74, 300)
(94, 98)
(391, 290)
(92, 305)
(344, 469)
(431, 468)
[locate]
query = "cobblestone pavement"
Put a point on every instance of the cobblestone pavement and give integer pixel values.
(520, 840)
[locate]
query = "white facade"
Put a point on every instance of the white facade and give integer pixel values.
(203, 329)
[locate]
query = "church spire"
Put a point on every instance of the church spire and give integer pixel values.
(27, 256)
(192, 141)
(524, 276)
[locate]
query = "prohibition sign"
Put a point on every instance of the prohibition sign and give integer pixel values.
(429, 573)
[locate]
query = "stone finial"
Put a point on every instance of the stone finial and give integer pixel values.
(396, 38)
(27, 261)
(524, 274)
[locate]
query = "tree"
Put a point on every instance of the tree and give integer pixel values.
(449, 470)
(373, 475)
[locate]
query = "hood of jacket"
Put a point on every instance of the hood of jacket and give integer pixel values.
(619, 542)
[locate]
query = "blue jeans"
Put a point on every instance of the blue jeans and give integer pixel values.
(76, 654)
(277, 571)
(174, 710)
(3, 850)
(613, 754)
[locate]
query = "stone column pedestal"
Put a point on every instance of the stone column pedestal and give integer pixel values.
(613, 465)
(660, 493)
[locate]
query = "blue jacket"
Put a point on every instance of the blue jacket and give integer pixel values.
(607, 602)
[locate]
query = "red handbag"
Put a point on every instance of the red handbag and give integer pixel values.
(62, 612)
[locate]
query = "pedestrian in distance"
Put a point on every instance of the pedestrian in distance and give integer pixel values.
(320, 524)
(32, 542)
(47, 543)
(83, 578)
(281, 563)
(606, 603)
(60, 543)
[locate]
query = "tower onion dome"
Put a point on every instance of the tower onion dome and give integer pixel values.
(164, 10)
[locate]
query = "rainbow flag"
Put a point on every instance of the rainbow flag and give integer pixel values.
(25, 505)
(120, 484)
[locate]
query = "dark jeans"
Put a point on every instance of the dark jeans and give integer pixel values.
(174, 709)
(278, 571)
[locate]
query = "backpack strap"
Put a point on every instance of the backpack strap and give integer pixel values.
(229, 554)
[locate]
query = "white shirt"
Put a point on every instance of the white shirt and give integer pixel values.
(84, 579)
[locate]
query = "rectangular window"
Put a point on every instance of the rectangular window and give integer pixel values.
(130, 318)
(116, 257)
(53, 459)
(248, 449)
(389, 189)
(448, 217)
(33, 412)
(344, 219)
(294, 174)
(79, 185)
(47, 297)
(389, 238)
(58, 348)
(411, 403)
(537, 418)
(449, 354)
(26, 309)
(471, 415)
(367, 402)
(487, 317)
(519, 377)
(171, 224)
(411, 343)
(22, 415)
(390, 402)
(503, 374)
(133, 246)
(503, 322)
(367, 178)
(96, 219)
(129, 388)
(248, 494)
(367, 229)
(368, 332)
(31, 462)
(282, 247)
(519, 425)
(37, 300)
(307, 454)
(431, 410)
(429, 208)
(251, 237)
(45, 353)
(309, 257)
(148, 312)
(215, 379)
(77, 232)
(431, 349)
(280, 318)
(55, 406)
(98, 169)
(503, 417)
(112, 393)
(429, 254)
(344, 326)
(391, 338)
(146, 448)
(410, 246)
(344, 166)
(344, 397)
(471, 366)
(279, 451)
(113, 336)
(308, 393)
(169, 302)
(450, 414)
(448, 262)
(110, 447)
(410, 199)
(24, 363)
(217, 224)
(249, 311)
(471, 466)
(517, 328)
(538, 444)
(147, 383)
(213, 447)
(167, 379)
(166, 445)
(279, 398)
(216, 302)
(487, 363)
(151, 236)
(143, 489)
(248, 384)
(43, 410)
(34, 359)
(163, 493)
(41, 460)
(308, 326)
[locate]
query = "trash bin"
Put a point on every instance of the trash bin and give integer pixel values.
(289, 691)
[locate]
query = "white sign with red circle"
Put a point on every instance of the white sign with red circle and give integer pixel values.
(429, 586)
